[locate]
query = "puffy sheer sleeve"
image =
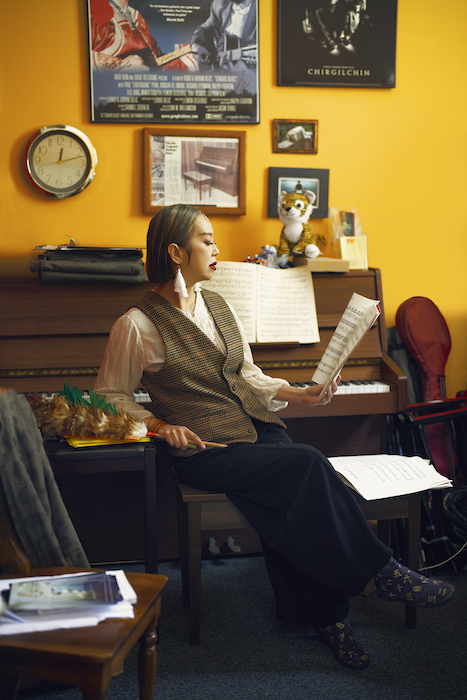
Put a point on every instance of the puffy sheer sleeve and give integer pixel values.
(133, 345)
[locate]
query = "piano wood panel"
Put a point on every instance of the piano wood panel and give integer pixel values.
(34, 308)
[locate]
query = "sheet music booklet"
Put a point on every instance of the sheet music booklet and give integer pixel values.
(357, 319)
(274, 305)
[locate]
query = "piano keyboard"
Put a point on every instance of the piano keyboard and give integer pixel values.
(140, 395)
(211, 165)
(363, 386)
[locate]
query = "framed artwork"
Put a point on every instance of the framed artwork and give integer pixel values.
(171, 61)
(297, 180)
(343, 43)
(199, 167)
(295, 136)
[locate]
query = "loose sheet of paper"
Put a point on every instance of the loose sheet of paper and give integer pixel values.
(385, 476)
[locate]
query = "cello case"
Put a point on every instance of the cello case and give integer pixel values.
(426, 336)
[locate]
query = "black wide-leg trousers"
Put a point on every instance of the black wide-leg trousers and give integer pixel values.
(317, 544)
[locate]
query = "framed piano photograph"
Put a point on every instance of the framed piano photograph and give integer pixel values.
(203, 168)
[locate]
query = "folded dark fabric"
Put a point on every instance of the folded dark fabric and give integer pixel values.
(79, 264)
(65, 277)
(37, 510)
(78, 252)
(89, 267)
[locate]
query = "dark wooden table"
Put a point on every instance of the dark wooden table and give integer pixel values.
(88, 656)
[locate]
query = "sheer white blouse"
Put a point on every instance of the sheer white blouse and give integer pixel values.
(135, 345)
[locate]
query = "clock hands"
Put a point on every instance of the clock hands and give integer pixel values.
(67, 159)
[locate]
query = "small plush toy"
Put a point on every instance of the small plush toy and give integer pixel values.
(295, 208)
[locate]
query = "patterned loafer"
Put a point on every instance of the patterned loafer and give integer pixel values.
(339, 637)
(397, 582)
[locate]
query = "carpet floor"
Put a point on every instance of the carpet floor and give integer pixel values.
(245, 655)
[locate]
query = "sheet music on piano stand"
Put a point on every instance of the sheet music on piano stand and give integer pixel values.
(274, 306)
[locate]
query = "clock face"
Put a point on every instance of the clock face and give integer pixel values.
(60, 161)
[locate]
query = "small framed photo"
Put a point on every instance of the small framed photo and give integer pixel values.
(295, 136)
(299, 180)
(204, 168)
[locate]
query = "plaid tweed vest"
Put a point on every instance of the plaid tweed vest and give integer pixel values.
(198, 386)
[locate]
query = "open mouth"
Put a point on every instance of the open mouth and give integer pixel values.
(213, 266)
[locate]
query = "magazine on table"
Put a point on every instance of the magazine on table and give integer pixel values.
(38, 603)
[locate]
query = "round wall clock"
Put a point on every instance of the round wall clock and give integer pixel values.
(59, 161)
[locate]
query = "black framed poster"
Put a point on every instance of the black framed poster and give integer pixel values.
(337, 43)
(174, 62)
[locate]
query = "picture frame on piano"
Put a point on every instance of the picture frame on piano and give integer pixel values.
(295, 180)
(204, 168)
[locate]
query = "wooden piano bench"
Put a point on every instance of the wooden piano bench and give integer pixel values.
(140, 456)
(202, 510)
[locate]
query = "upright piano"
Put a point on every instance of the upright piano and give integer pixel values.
(56, 333)
(220, 164)
(354, 422)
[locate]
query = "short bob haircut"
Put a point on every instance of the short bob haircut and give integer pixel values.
(173, 224)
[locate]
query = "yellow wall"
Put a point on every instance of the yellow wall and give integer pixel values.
(398, 155)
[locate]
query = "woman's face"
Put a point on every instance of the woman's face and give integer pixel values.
(201, 264)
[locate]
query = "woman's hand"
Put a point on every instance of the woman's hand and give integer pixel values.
(308, 396)
(176, 435)
(312, 393)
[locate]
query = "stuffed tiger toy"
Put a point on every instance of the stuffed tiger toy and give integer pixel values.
(296, 238)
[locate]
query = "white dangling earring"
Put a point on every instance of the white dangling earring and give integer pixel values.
(180, 284)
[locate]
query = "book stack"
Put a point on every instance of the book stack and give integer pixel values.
(39, 603)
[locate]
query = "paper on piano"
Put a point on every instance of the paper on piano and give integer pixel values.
(386, 476)
(357, 319)
(274, 306)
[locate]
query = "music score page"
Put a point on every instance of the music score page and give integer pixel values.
(274, 305)
(385, 476)
(357, 319)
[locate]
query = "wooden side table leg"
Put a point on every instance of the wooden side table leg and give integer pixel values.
(147, 659)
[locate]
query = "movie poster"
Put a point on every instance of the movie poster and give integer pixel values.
(337, 43)
(174, 62)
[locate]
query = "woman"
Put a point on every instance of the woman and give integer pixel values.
(188, 349)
